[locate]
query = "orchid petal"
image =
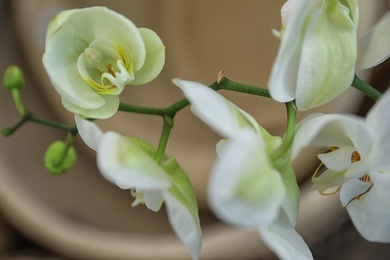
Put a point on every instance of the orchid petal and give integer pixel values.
(89, 132)
(244, 188)
(153, 200)
(184, 223)
(311, 26)
(154, 60)
(333, 130)
(284, 241)
(378, 46)
(127, 165)
(106, 110)
(379, 120)
(327, 180)
(217, 112)
(182, 209)
(337, 160)
(371, 212)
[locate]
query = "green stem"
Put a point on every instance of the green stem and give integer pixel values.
(227, 84)
(68, 143)
(168, 124)
(18, 102)
(43, 121)
(290, 132)
(10, 130)
(366, 88)
(140, 109)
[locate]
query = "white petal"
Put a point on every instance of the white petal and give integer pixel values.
(284, 241)
(244, 188)
(186, 227)
(333, 130)
(379, 120)
(283, 79)
(125, 164)
(337, 160)
(89, 132)
(327, 180)
(378, 48)
(351, 189)
(217, 112)
(153, 200)
(371, 212)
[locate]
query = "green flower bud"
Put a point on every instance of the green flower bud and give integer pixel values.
(56, 161)
(13, 78)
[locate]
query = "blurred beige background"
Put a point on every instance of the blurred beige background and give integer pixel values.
(80, 215)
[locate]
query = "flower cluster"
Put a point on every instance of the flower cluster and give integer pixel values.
(93, 53)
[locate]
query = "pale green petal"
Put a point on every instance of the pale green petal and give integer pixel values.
(182, 208)
(284, 241)
(333, 130)
(244, 188)
(324, 75)
(213, 109)
(108, 109)
(327, 180)
(185, 223)
(379, 120)
(89, 132)
(100, 22)
(124, 163)
(290, 204)
(300, 70)
(60, 62)
(378, 46)
(154, 60)
(371, 212)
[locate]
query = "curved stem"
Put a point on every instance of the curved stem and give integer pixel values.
(140, 110)
(46, 122)
(68, 143)
(18, 102)
(366, 88)
(167, 126)
(227, 84)
(290, 132)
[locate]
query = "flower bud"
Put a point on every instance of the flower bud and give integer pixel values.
(55, 160)
(13, 78)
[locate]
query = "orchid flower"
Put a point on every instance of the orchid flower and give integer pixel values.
(91, 54)
(316, 58)
(377, 44)
(246, 188)
(128, 163)
(357, 163)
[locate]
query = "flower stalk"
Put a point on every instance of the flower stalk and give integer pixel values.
(366, 88)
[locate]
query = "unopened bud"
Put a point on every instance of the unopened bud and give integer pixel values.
(13, 78)
(57, 160)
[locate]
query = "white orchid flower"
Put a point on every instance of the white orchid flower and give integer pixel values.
(377, 48)
(91, 54)
(128, 163)
(246, 189)
(317, 54)
(357, 162)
